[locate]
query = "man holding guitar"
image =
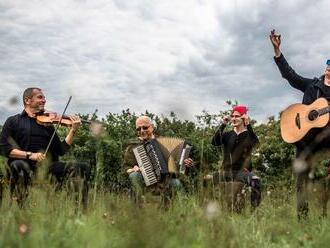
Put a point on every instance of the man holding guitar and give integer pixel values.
(316, 138)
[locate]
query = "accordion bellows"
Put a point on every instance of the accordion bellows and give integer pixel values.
(160, 156)
(171, 149)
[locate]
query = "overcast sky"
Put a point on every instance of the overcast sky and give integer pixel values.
(184, 56)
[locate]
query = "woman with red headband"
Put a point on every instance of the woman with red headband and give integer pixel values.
(237, 148)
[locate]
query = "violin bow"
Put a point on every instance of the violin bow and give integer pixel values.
(57, 126)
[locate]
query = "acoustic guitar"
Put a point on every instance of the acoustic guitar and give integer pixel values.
(298, 119)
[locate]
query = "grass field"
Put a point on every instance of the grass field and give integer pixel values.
(111, 220)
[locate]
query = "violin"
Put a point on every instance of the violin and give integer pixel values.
(50, 118)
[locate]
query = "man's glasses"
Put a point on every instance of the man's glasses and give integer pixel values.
(138, 129)
(235, 116)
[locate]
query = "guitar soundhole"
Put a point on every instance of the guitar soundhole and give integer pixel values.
(313, 115)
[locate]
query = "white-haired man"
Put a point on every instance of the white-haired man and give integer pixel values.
(145, 132)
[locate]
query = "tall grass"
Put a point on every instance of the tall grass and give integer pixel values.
(112, 220)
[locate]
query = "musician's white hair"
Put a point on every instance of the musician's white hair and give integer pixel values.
(147, 119)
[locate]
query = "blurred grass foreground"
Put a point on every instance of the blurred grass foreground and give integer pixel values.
(51, 219)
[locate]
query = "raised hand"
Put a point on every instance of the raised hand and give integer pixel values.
(276, 42)
(226, 120)
(246, 119)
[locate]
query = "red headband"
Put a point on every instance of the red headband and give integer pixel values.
(240, 109)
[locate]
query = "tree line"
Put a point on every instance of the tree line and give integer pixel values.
(104, 152)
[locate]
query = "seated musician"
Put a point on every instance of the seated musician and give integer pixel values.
(237, 148)
(23, 141)
(145, 133)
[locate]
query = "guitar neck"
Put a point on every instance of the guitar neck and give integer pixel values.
(324, 111)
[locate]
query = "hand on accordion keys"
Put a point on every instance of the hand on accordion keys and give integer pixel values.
(134, 169)
(188, 162)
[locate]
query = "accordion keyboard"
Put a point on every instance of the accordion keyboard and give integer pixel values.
(145, 165)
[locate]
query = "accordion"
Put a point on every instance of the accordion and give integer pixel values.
(161, 156)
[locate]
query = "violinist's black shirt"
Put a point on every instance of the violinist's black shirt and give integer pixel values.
(24, 133)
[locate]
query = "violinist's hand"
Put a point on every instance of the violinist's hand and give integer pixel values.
(37, 156)
(76, 122)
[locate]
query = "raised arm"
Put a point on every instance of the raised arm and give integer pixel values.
(276, 42)
(294, 79)
(249, 128)
(217, 139)
(252, 135)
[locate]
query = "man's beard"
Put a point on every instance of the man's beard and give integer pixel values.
(40, 109)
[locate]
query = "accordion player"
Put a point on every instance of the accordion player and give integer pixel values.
(161, 156)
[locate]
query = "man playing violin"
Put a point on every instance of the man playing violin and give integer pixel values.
(23, 141)
(316, 139)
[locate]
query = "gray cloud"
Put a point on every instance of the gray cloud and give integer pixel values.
(161, 56)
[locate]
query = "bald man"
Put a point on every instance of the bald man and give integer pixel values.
(24, 141)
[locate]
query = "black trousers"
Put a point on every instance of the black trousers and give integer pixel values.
(20, 175)
(244, 176)
(307, 154)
